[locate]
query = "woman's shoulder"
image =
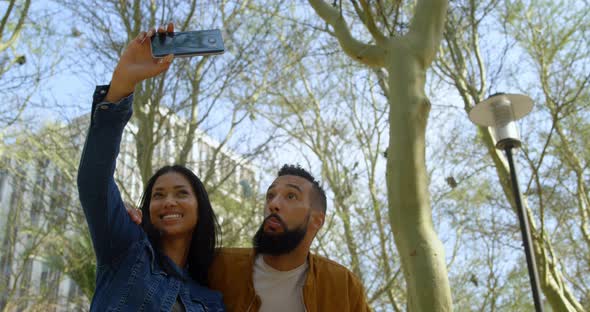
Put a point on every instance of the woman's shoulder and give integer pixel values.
(139, 251)
(212, 299)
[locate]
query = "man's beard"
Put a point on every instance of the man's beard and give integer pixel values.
(277, 244)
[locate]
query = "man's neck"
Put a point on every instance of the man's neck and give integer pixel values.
(287, 262)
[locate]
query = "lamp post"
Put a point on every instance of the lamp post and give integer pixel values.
(500, 112)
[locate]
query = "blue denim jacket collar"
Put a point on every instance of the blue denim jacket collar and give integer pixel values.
(182, 273)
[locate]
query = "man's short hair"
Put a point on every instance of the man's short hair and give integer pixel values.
(318, 196)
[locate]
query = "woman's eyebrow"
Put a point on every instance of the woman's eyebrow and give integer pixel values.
(159, 188)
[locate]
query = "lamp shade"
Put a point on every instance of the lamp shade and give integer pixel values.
(500, 111)
(489, 113)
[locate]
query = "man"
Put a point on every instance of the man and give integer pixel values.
(279, 273)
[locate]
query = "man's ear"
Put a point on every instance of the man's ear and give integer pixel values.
(317, 219)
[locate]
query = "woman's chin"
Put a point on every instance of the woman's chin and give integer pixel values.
(174, 231)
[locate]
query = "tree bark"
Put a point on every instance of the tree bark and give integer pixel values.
(421, 252)
(406, 60)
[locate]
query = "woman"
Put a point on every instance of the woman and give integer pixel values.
(162, 266)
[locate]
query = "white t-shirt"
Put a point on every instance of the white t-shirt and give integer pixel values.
(279, 290)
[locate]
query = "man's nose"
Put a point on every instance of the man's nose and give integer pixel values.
(274, 205)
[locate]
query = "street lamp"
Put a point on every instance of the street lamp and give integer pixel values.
(500, 112)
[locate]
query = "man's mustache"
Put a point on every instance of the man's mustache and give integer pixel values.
(277, 217)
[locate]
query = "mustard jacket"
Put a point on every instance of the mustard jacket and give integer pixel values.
(328, 286)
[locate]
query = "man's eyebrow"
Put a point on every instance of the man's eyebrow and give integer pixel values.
(297, 187)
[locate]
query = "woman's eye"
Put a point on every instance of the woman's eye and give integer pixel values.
(157, 195)
(183, 193)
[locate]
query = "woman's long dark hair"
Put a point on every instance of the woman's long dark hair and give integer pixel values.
(205, 236)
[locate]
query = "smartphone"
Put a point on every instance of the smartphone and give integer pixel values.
(188, 43)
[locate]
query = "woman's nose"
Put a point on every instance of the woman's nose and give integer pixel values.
(169, 201)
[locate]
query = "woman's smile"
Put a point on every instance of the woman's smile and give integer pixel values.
(171, 216)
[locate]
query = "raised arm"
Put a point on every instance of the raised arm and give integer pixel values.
(110, 227)
(100, 198)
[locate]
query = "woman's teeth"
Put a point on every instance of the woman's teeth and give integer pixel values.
(171, 216)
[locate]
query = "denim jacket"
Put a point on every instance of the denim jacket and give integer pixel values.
(128, 277)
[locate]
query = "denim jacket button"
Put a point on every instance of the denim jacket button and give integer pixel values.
(103, 91)
(104, 107)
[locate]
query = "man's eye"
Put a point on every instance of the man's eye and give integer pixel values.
(269, 196)
(291, 196)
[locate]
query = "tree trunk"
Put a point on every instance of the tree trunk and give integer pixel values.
(421, 252)
(406, 60)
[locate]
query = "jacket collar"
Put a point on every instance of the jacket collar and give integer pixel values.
(157, 269)
(309, 291)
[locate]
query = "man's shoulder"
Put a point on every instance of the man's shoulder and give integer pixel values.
(330, 278)
(234, 256)
(231, 273)
(327, 263)
(325, 266)
(235, 252)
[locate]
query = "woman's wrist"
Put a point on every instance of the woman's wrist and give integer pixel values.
(118, 90)
(120, 87)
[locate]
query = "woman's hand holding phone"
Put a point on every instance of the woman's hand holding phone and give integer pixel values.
(137, 64)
